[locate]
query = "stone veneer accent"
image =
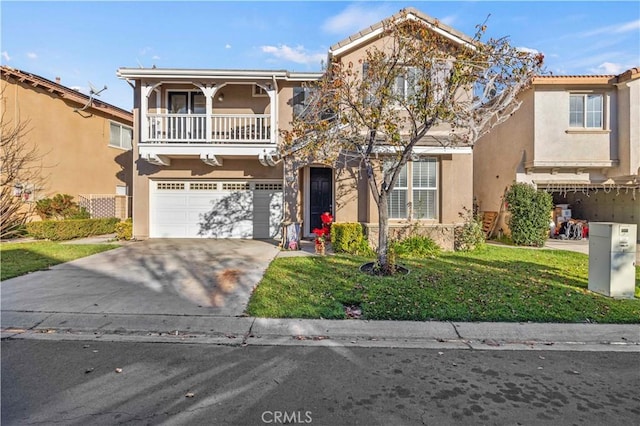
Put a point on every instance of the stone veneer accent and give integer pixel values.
(443, 235)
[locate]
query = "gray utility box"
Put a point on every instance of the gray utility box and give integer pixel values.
(612, 259)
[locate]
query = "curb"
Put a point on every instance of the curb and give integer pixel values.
(250, 331)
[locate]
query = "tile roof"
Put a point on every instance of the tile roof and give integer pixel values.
(64, 92)
(410, 10)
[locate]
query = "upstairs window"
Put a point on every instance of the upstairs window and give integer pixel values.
(302, 100)
(586, 110)
(120, 136)
(301, 97)
(259, 92)
(408, 83)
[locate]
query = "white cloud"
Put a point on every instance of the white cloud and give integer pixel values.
(449, 20)
(5, 56)
(227, 46)
(614, 29)
(155, 57)
(32, 55)
(294, 54)
(629, 26)
(609, 68)
(356, 17)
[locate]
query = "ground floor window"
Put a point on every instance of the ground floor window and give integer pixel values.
(415, 193)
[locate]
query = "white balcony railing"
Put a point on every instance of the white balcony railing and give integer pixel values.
(192, 128)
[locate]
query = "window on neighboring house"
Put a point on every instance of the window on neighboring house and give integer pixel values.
(586, 110)
(415, 198)
(120, 136)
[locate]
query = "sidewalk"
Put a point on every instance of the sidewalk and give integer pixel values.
(201, 326)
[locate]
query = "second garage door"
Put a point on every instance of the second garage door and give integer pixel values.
(215, 209)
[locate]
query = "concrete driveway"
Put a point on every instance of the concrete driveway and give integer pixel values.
(159, 276)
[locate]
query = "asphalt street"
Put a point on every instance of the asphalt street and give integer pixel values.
(111, 383)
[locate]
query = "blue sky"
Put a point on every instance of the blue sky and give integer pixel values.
(82, 41)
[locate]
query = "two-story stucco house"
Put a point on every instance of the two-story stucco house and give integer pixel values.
(207, 161)
(83, 144)
(577, 137)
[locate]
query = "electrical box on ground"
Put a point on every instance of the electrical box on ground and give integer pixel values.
(612, 259)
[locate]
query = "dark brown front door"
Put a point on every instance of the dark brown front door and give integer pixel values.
(320, 195)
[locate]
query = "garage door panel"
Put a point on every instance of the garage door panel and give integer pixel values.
(233, 212)
(267, 214)
(171, 231)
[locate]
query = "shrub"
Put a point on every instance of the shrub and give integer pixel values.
(124, 230)
(418, 246)
(469, 236)
(61, 206)
(529, 222)
(349, 238)
(59, 230)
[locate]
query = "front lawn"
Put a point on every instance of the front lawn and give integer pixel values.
(493, 284)
(21, 258)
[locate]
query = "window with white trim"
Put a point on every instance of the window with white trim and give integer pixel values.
(300, 101)
(120, 136)
(586, 110)
(259, 91)
(415, 198)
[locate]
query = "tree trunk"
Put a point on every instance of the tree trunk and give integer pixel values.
(383, 232)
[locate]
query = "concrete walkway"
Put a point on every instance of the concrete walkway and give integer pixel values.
(195, 291)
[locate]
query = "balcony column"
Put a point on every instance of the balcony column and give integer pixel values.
(145, 126)
(273, 99)
(209, 91)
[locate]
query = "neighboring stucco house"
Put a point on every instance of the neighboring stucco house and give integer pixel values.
(84, 144)
(207, 158)
(577, 137)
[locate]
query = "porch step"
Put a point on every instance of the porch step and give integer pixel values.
(489, 220)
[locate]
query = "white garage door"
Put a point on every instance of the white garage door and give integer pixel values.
(215, 209)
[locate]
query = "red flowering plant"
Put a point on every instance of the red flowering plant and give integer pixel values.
(320, 235)
(326, 219)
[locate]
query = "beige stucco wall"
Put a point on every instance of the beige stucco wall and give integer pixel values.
(74, 146)
(555, 142)
(629, 128)
(501, 153)
(237, 99)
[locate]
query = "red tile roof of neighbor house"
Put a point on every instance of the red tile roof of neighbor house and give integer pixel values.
(65, 92)
(630, 74)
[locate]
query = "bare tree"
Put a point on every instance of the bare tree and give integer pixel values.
(20, 175)
(414, 79)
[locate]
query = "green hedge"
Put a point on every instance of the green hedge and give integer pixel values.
(124, 230)
(530, 212)
(60, 230)
(349, 238)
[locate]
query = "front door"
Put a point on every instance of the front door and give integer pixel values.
(320, 195)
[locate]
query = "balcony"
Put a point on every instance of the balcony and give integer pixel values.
(213, 129)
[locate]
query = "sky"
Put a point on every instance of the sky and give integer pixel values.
(85, 42)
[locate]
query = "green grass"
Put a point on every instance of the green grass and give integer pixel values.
(492, 284)
(21, 258)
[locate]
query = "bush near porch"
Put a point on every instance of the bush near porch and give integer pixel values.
(492, 284)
